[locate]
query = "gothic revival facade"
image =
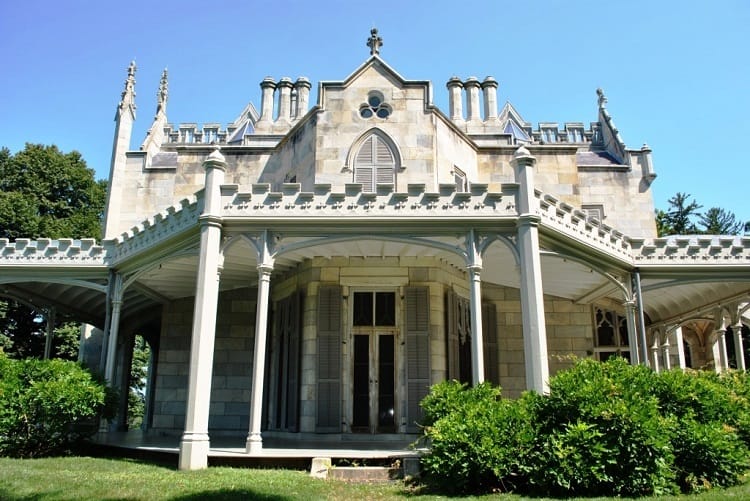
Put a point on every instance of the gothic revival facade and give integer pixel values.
(307, 272)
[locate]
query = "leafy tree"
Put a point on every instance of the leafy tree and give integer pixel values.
(717, 221)
(44, 193)
(47, 193)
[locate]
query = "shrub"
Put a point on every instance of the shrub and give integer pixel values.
(46, 406)
(599, 432)
(476, 436)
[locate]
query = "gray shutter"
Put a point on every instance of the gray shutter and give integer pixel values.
(417, 353)
(329, 359)
(489, 333)
(293, 328)
(452, 335)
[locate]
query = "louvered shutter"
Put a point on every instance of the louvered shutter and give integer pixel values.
(417, 353)
(329, 360)
(293, 327)
(374, 164)
(489, 333)
(452, 335)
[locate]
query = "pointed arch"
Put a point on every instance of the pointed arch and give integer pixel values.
(374, 159)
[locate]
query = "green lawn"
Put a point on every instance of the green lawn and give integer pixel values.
(105, 479)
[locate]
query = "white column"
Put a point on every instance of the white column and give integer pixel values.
(475, 297)
(739, 349)
(50, 333)
(678, 339)
(254, 441)
(655, 353)
(632, 335)
(195, 442)
(723, 349)
(666, 354)
(532, 293)
(114, 328)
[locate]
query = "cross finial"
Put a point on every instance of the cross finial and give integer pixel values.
(374, 42)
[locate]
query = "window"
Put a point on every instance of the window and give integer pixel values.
(374, 163)
(459, 177)
(374, 309)
(575, 135)
(187, 135)
(210, 135)
(374, 107)
(549, 135)
(611, 335)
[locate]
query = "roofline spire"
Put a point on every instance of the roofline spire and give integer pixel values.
(127, 101)
(162, 95)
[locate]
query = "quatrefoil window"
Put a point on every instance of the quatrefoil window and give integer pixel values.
(374, 107)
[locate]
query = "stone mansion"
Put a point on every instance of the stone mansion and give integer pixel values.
(309, 270)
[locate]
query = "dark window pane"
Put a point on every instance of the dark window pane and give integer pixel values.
(383, 112)
(374, 101)
(363, 308)
(385, 308)
(605, 335)
(365, 112)
(386, 384)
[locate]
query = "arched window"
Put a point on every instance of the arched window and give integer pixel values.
(374, 163)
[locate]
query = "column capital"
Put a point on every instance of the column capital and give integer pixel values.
(265, 269)
(210, 220)
(474, 268)
(528, 220)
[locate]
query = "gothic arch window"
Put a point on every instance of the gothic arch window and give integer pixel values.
(375, 162)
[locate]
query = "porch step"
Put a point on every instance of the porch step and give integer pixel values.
(404, 467)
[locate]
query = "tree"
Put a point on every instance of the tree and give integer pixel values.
(680, 214)
(47, 193)
(717, 221)
(44, 193)
(679, 219)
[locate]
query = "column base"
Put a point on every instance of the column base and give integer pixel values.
(194, 451)
(254, 443)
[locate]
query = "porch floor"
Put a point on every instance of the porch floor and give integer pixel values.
(277, 451)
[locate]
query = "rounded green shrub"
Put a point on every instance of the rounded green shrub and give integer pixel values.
(477, 439)
(47, 406)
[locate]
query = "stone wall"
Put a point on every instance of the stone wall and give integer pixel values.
(233, 360)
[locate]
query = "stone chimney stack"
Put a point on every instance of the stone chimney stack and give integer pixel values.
(454, 98)
(471, 85)
(285, 86)
(302, 85)
(489, 87)
(266, 106)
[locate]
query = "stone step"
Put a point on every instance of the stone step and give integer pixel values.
(322, 467)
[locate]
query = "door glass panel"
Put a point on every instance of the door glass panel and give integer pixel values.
(386, 398)
(385, 308)
(363, 308)
(361, 417)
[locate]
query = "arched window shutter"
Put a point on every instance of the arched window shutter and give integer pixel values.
(374, 163)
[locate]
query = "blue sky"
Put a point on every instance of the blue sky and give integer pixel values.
(676, 73)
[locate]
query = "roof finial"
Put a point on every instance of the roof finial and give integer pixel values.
(162, 94)
(602, 98)
(374, 42)
(128, 95)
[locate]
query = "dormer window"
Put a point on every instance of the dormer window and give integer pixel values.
(375, 107)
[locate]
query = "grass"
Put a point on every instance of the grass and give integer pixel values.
(83, 478)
